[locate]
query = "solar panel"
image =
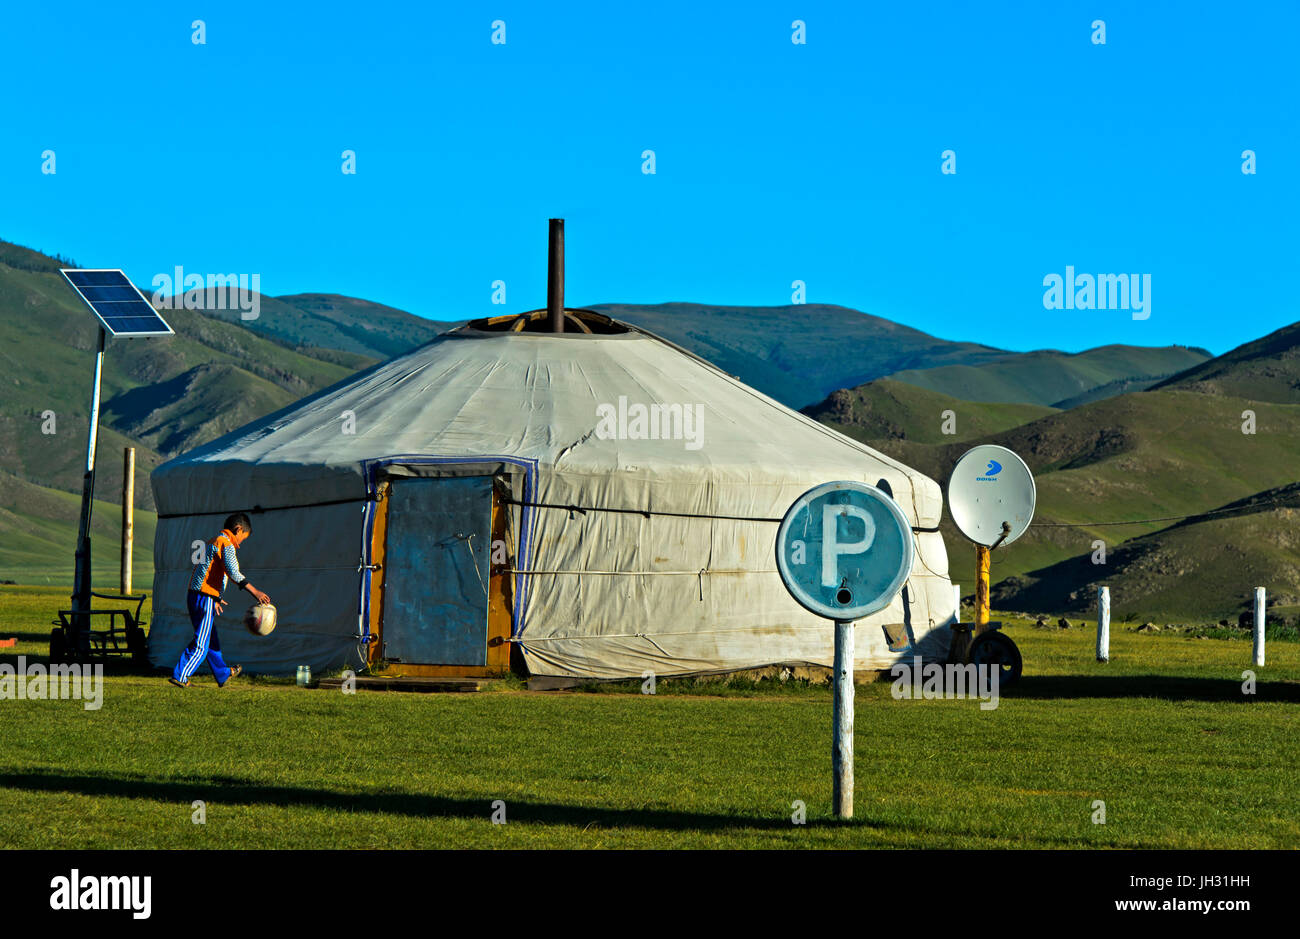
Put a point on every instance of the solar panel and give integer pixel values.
(122, 308)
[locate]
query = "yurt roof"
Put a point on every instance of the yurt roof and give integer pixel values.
(505, 386)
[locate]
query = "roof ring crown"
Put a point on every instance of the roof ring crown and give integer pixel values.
(537, 321)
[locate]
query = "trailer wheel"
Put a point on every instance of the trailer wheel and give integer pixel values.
(56, 644)
(994, 648)
(137, 645)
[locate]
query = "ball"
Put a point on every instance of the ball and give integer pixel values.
(260, 619)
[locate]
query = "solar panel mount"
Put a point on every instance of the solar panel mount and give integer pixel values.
(118, 303)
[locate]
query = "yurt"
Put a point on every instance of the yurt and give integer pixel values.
(559, 494)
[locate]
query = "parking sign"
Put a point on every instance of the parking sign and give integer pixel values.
(844, 550)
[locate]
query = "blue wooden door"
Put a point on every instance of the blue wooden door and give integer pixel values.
(436, 570)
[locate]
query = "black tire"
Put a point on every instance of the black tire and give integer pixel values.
(137, 645)
(56, 644)
(993, 648)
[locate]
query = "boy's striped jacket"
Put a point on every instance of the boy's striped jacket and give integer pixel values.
(218, 567)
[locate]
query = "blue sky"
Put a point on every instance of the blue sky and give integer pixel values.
(775, 161)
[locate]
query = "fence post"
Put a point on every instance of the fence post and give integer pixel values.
(956, 603)
(1103, 624)
(1259, 627)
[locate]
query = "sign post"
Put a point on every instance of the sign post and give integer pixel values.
(842, 717)
(844, 550)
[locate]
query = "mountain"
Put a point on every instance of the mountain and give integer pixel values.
(161, 395)
(1267, 369)
(1058, 379)
(798, 354)
(324, 320)
(350, 331)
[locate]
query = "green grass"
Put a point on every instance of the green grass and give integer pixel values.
(1161, 734)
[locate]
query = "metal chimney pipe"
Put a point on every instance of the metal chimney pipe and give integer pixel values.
(555, 276)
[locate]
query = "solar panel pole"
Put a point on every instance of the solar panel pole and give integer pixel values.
(81, 578)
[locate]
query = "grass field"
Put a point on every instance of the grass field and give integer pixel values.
(1161, 734)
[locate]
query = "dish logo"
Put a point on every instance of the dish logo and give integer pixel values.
(994, 468)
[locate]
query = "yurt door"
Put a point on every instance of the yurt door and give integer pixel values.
(436, 570)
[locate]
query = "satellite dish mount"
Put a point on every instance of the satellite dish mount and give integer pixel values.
(991, 496)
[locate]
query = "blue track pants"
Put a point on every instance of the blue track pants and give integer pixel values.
(205, 644)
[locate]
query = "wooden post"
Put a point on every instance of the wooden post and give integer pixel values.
(1258, 656)
(1103, 624)
(842, 717)
(981, 589)
(956, 603)
(128, 515)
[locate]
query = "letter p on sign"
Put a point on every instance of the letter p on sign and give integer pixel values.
(844, 550)
(833, 547)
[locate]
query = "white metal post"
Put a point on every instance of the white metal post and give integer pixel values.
(1103, 624)
(842, 717)
(1259, 627)
(956, 603)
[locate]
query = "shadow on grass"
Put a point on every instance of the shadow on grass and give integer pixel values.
(41, 636)
(230, 791)
(114, 665)
(1168, 687)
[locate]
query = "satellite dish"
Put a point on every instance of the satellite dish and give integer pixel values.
(991, 485)
(844, 550)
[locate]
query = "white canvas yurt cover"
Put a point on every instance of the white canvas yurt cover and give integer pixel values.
(602, 503)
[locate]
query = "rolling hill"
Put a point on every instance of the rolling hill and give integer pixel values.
(1200, 568)
(317, 321)
(798, 354)
(886, 409)
(1267, 369)
(802, 353)
(1145, 455)
(1057, 379)
(211, 376)
(40, 530)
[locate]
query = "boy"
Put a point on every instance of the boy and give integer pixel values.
(219, 565)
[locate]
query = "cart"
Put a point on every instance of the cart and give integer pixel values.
(75, 637)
